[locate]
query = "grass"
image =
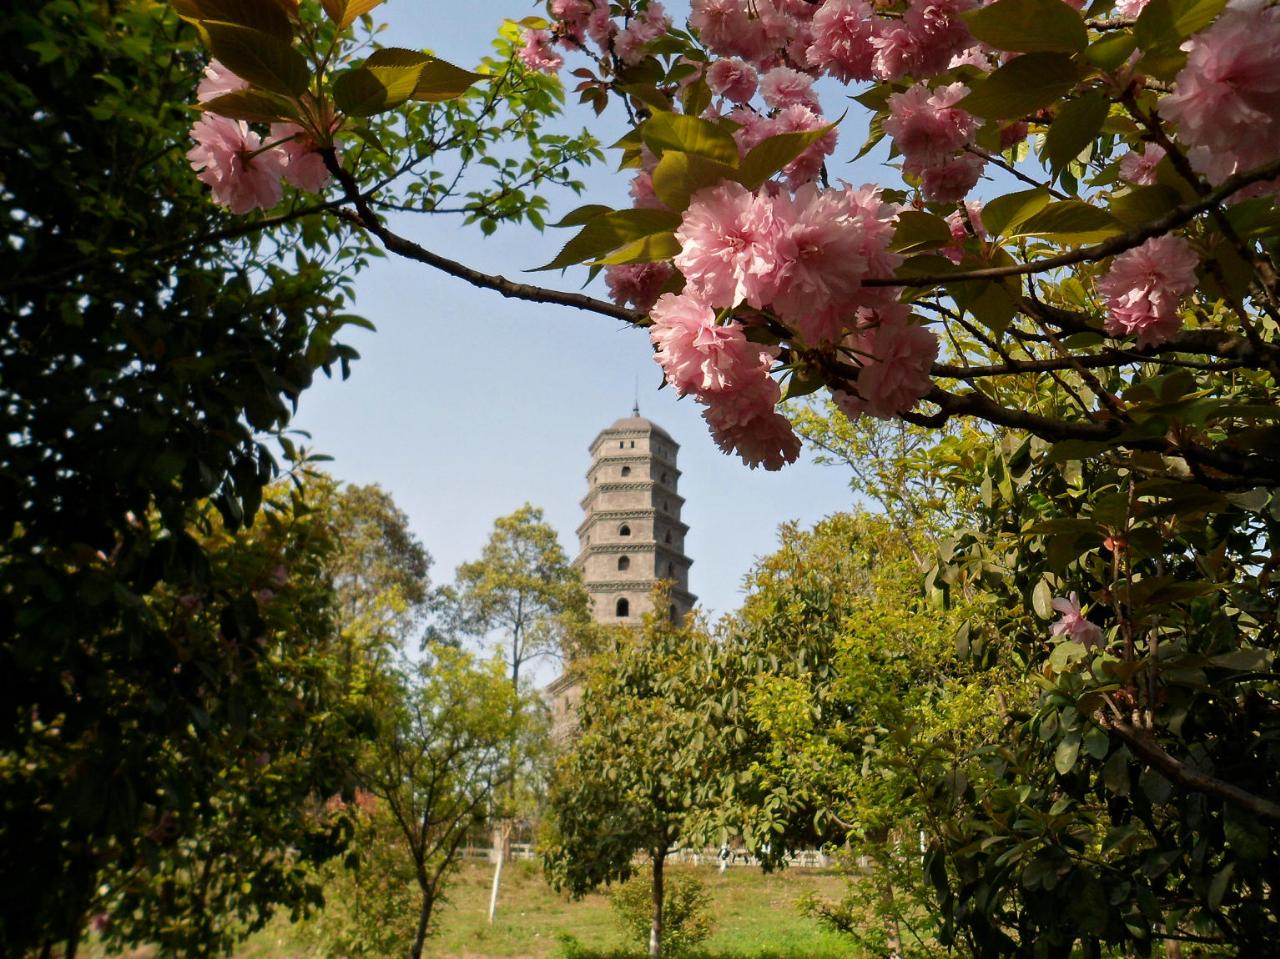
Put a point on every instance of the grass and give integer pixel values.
(756, 918)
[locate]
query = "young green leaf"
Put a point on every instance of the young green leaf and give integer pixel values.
(364, 91)
(252, 106)
(268, 18)
(772, 154)
(1074, 127)
(1029, 26)
(609, 231)
(441, 80)
(264, 60)
(1022, 86)
(675, 131)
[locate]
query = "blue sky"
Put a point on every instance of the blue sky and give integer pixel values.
(466, 405)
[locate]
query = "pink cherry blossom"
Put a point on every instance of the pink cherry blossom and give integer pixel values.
(225, 157)
(732, 78)
(699, 355)
(642, 194)
(1140, 168)
(536, 54)
(926, 125)
(842, 34)
(1144, 287)
(1130, 8)
(783, 87)
(895, 357)
(798, 118)
(600, 27)
(963, 224)
(728, 246)
(571, 17)
(304, 166)
(1074, 624)
(938, 32)
(1226, 100)
(637, 284)
(218, 80)
(745, 421)
(832, 241)
(951, 180)
(630, 44)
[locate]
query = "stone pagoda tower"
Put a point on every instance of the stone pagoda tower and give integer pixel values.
(631, 536)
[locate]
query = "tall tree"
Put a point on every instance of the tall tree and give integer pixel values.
(151, 348)
(643, 770)
(522, 590)
(441, 753)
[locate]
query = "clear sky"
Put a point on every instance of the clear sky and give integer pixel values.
(465, 405)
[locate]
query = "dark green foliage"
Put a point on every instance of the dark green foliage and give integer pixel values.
(143, 362)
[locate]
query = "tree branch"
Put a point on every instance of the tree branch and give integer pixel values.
(1110, 247)
(366, 219)
(1144, 745)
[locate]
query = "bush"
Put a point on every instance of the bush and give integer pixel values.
(686, 911)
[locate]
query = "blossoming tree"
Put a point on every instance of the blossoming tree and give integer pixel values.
(1077, 251)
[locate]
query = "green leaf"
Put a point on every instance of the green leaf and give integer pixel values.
(1065, 756)
(265, 61)
(346, 12)
(257, 15)
(1246, 836)
(647, 249)
(1111, 50)
(1243, 660)
(364, 91)
(441, 80)
(253, 106)
(918, 231)
(875, 133)
(1143, 204)
(583, 214)
(1013, 209)
(1221, 883)
(1163, 25)
(1042, 600)
(679, 175)
(1169, 22)
(772, 154)
(675, 131)
(1074, 127)
(1071, 222)
(1022, 86)
(1097, 742)
(1029, 26)
(609, 231)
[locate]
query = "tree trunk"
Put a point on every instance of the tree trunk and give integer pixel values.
(503, 850)
(655, 927)
(1172, 949)
(424, 921)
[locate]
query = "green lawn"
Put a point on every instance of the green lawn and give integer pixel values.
(756, 917)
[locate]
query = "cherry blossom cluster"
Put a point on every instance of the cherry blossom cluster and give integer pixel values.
(932, 134)
(579, 22)
(1226, 100)
(242, 171)
(1144, 287)
(799, 259)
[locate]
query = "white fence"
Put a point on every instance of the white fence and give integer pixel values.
(805, 859)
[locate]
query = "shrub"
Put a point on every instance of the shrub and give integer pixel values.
(686, 911)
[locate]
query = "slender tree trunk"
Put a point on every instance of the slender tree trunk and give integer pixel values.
(1172, 949)
(503, 850)
(655, 927)
(424, 919)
